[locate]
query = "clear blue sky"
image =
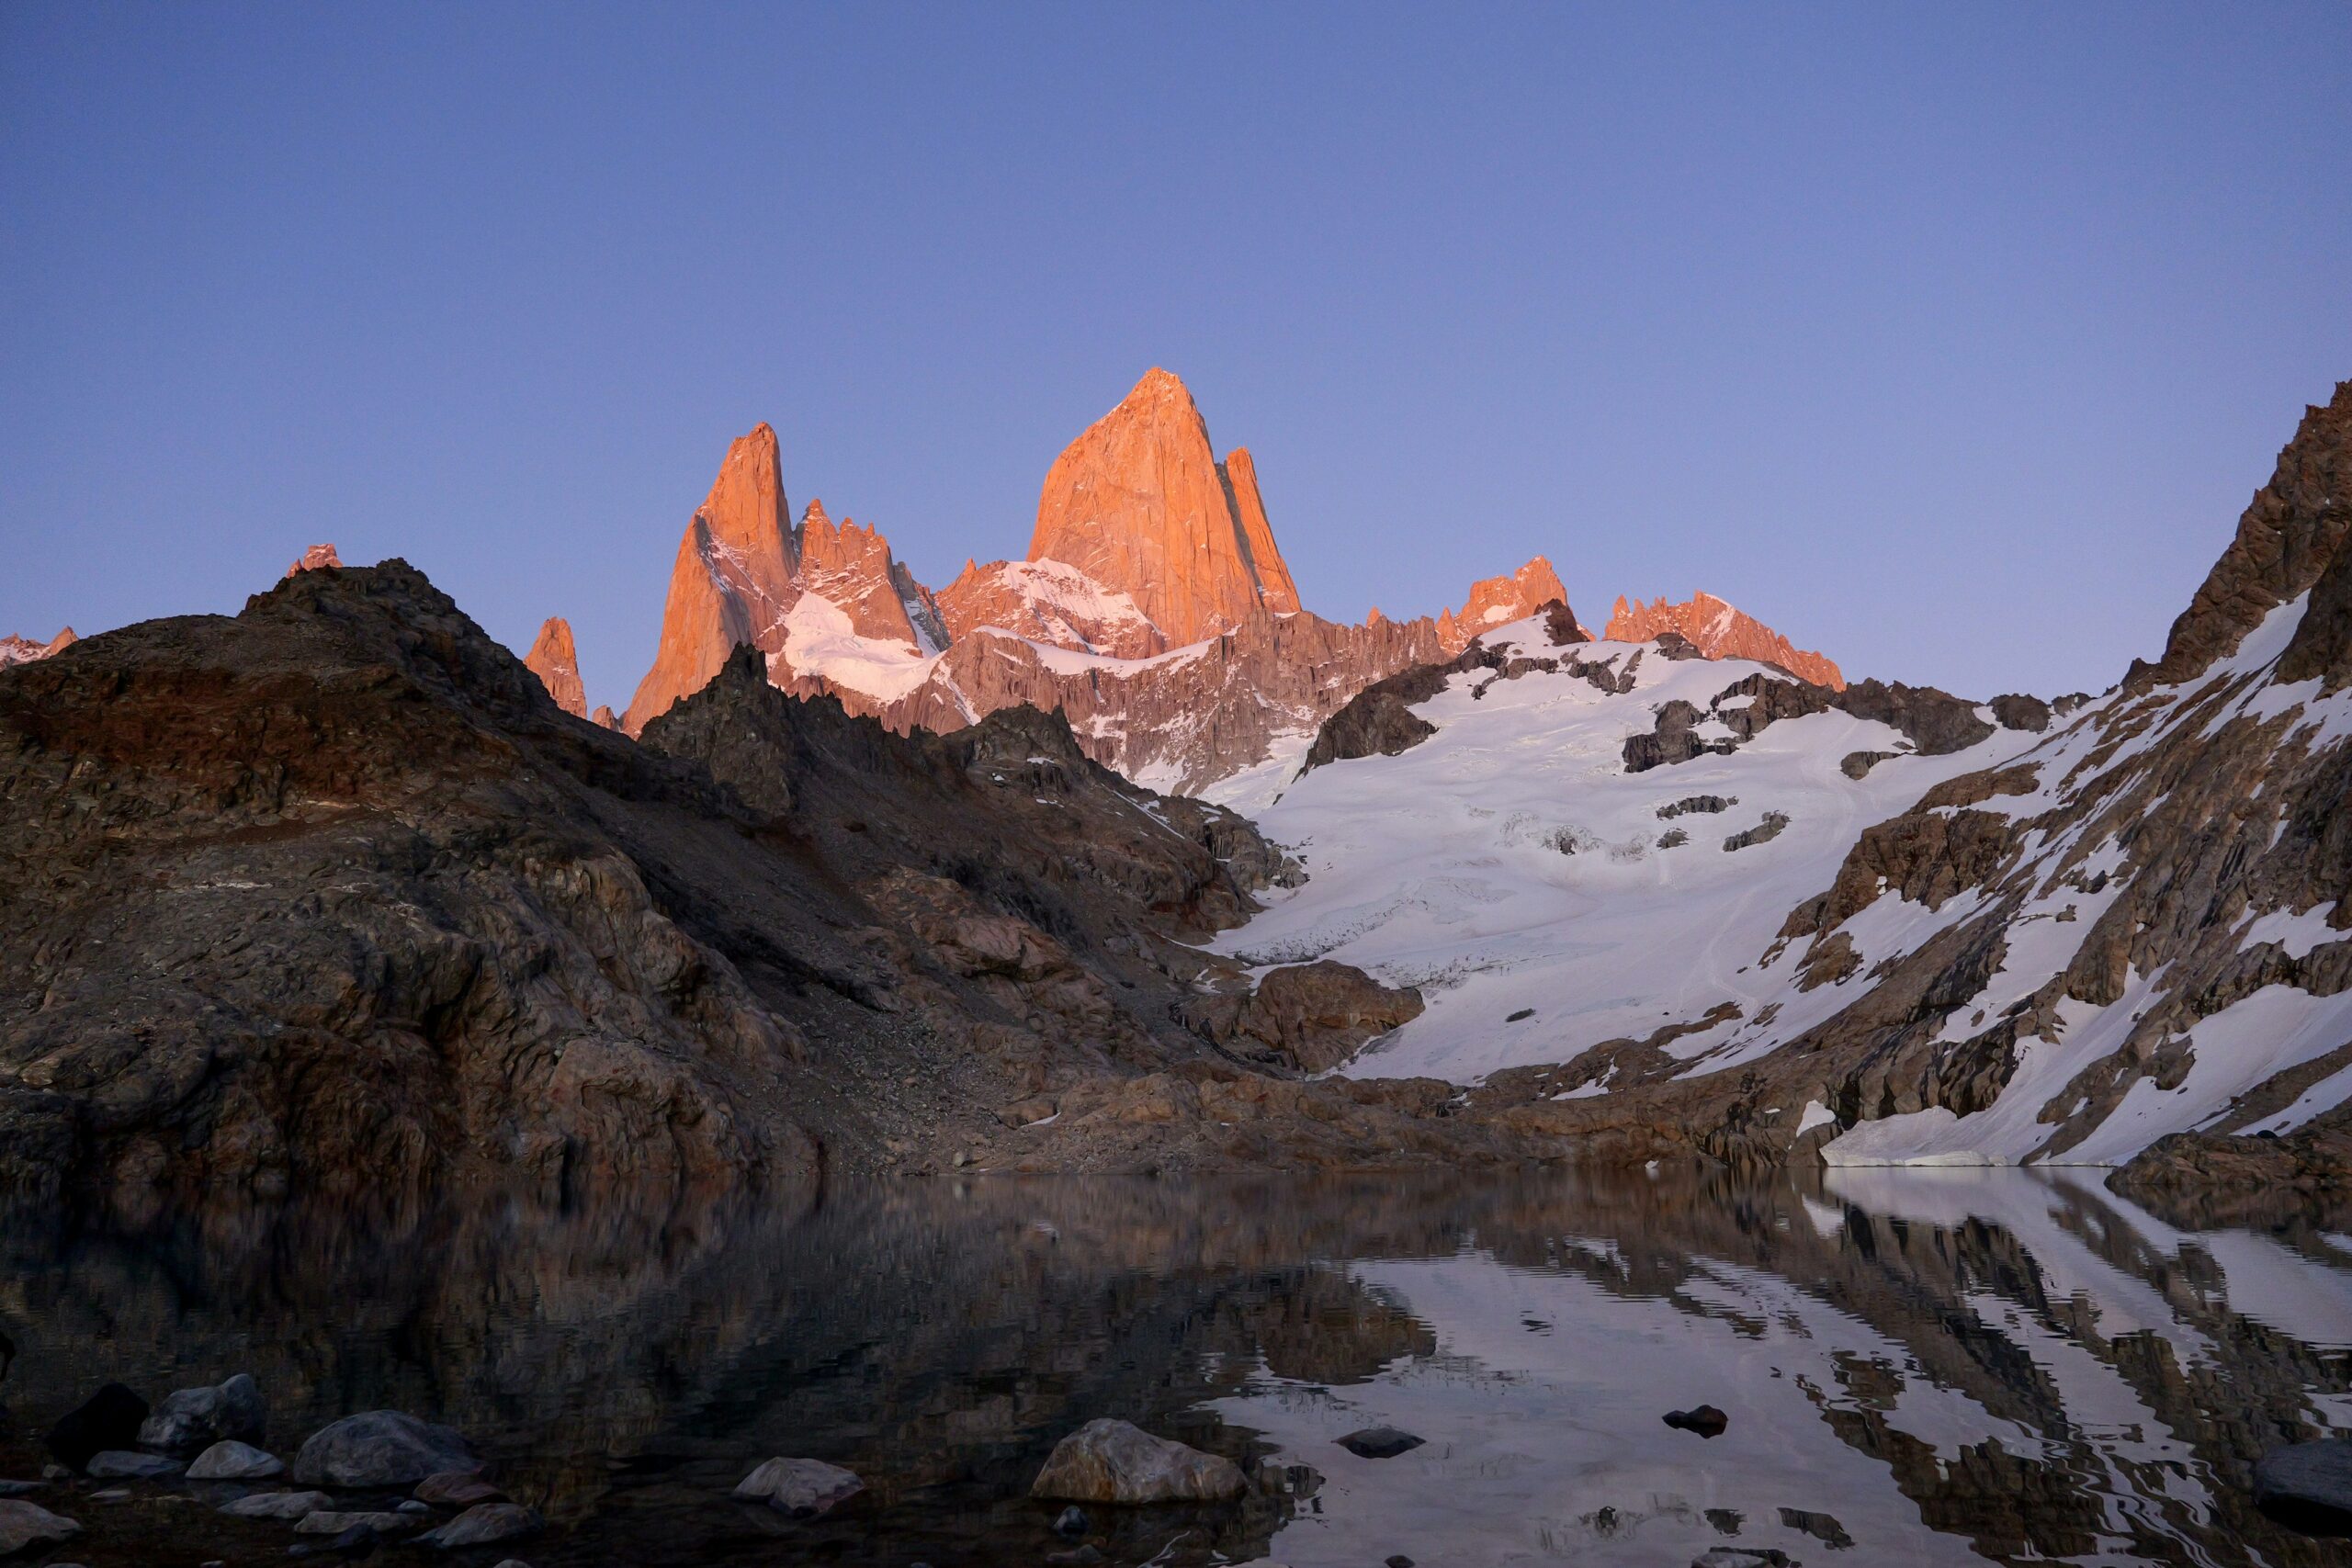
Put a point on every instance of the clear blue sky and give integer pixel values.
(1950, 340)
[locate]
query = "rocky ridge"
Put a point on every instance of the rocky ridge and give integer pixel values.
(1720, 630)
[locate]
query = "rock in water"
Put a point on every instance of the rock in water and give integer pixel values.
(485, 1523)
(380, 1448)
(124, 1464)
(278, 1506)
(1109, 1460)
(801, 1487)
(233, 1460)
(195, 1418)
(1742, 1557)
(109, 1420)
(1705, 1420)
(24, 1525)
(2308, 1487)
(457, 1489)
(1379, 1442)
(328, 1521)
(1070, 1521)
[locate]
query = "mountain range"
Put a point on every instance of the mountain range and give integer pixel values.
(338, 891)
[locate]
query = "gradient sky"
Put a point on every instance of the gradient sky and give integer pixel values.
(1949, 340)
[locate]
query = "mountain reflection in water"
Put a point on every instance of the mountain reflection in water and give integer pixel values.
(1918, 1365)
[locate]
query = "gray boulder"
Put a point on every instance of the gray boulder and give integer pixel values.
(122, 1464)
(380, 1448)
(801, 1487)
(1108, 1461)
(232, 1460)
(2308, 1485)
(27, 1525)
(484, 1523)
(278, 1506)
(193, 1418)
(1379, 1442)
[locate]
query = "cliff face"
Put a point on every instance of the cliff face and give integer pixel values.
(556, 664)
(733, 582)
(1720, 631)
(1140, 504)
(331, 894)
(1499, 601)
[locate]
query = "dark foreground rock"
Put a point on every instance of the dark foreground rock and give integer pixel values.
(2308, 1487)
(24, 1525)
(1704, 1419)
(109, 1419)
(191, 1419)
(485, 1524)
(803, 1488)
(1113, 1462)
(1379, 1442)
(380, 1448)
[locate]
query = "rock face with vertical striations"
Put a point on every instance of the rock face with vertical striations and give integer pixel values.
(1720, 631)
(732, 583)
(1140, 504)
(556, 664)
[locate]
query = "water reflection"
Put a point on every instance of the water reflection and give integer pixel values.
(1920, 1366)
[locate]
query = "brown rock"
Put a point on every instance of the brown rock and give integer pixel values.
(1720, 631)
(1115, 1461)
(318, 557)
(553, 660)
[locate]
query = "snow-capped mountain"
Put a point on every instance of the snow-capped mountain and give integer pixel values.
(24, 649)
(1154, 608)
(1878, 923)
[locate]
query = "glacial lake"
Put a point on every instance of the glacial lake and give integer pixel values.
(1918, 1365)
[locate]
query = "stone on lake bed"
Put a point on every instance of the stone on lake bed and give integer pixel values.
(1742, 1557)
(2308, 1487)
(277, 1505)
(457, 1489)
(232, 1460)
(801, 1487)
(484, 1523)
(193, 1418)
(124, 1464)
(23, 1525)
(1109, 1460)
(1379, 1442)
(329, 1521)
(380, 1448)
(1705, 1420)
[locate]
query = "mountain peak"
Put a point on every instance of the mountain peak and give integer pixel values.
(1720, 630)
(556, 663)
(1140, 504)
(1499, 601)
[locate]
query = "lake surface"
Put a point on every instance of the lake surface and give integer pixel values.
(1919, 1367)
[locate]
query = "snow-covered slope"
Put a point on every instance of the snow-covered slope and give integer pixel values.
(1546, 898)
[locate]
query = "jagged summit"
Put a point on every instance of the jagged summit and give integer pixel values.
(1499, 601)
(555, 660)
(1140, 504)
(1720, 630)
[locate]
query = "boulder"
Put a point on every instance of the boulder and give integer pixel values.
(109, 1419)
(1705, 1420)
(1379, 1442)
(1742, 1557)
(193, 1418)
(1109, 1460)
(331, 1521)
(457, 1489)
(278, 1506)
(380, 1448)
(25, 1525)
(125, 1464)
(2308, 1485)
(485, 1523)
(801, 1487)
(233, 1460)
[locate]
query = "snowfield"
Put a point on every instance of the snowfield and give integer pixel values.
(1509, 863)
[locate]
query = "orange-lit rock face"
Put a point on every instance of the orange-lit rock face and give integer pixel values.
(315, 557)
(556, 664)
(732, 582)
(1050, 601)
(1720, 631)
(1499, 601)
(852, 566)
(605, 717)
(1240, 473)
(24, 649)
(1138, 503)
